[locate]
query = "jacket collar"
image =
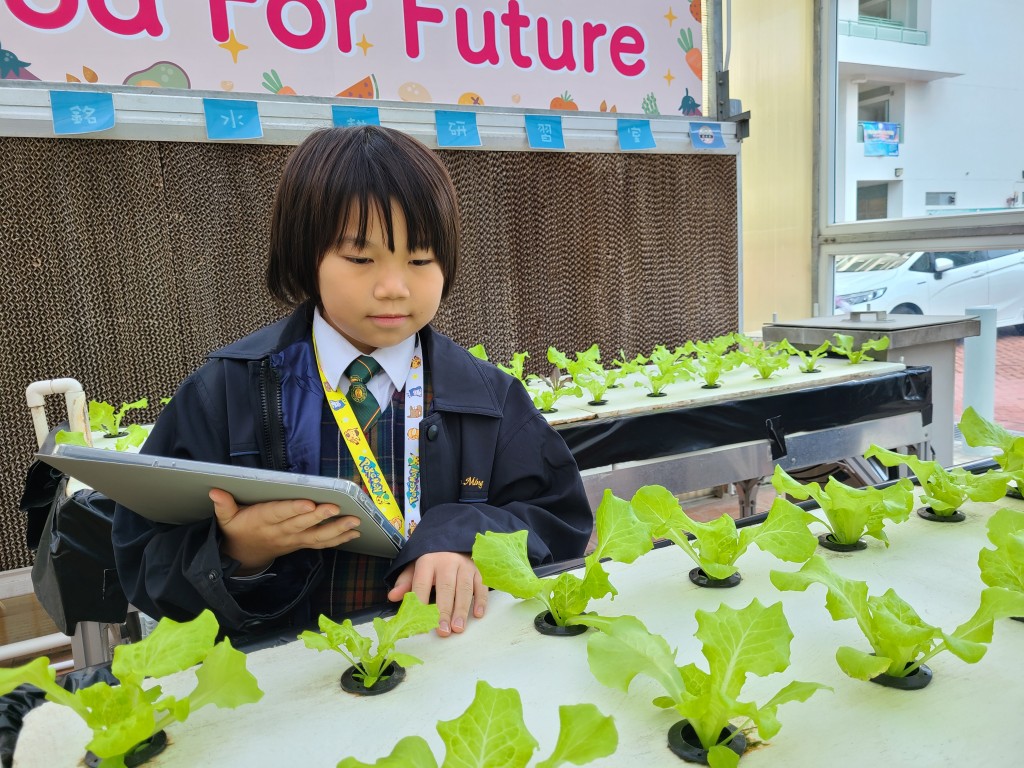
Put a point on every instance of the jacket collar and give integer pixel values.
(458, 379)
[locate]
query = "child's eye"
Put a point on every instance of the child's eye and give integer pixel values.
(421, 262)
(357, 260)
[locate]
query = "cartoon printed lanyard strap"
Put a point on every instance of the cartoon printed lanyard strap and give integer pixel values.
(359, 447)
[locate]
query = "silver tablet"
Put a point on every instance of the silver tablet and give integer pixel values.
(176, 490)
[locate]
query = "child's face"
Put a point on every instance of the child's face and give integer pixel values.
(376, 298)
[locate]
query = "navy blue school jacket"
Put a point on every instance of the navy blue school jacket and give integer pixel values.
(258, 403)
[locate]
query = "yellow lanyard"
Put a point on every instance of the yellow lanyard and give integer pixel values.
(374, 480)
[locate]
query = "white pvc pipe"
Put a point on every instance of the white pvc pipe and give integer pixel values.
(980, 364)
(35, 646)
(74, 398)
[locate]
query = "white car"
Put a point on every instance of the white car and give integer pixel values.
(933, 283)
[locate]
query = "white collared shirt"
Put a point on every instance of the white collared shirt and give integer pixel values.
(337, 353)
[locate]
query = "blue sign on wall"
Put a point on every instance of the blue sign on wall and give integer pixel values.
(456, 129)
(706, 136)
(81, 112)
(635, 134)
(545, 132)
(881, 139)
(348, 117)
(228, 119)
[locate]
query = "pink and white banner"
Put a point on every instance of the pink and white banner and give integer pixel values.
(596, 55)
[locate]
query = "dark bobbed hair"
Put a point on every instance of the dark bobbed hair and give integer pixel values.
(337, 170)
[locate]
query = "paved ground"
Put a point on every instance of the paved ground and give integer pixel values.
(1009, 399)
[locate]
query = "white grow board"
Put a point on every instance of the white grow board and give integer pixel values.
(968, 716)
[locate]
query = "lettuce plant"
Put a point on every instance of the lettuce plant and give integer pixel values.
(586, 372)
(843, 345)
(765, 359)
(900, 639)
(513, 369)
(103, 416)
(750, 641)
(662, 368)
(944, 491)
(718, 544)
(492, 732)
(712, 358)
(1004, 565)
(978, 431)
(504, 564)
(809, 358)
(125, 716)
(851, 513)
(412, 618)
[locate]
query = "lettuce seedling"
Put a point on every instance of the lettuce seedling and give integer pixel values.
(123, 716)
(944, 491)
(504, 564)
(586, 372)
(851, 513)
(900, 639)
(978, 431)
(718, 544)
(808, 358)
(712, 358)
(750, 641)
(513, 369)
(765, 359)
(843, 345)
(662, 368)
(412, 618)
(478, 351)
(103, 416)
(1004, 565)
(492, 732)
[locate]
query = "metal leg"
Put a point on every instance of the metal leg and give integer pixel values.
(746, 492)
(91, 644)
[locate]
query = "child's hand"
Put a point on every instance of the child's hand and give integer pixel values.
(456, 583)
(257, 534)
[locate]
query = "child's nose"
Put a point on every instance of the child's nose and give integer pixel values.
(392, 283)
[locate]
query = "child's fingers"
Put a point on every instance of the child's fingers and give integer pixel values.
(480, 595)
(403, 584)
(224, 506)
(331, 534)
(464, 589)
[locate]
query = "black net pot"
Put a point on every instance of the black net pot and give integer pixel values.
(827, 540)
(139, 754)
(953, 517)
(915, 681)
(544, 623)
(395, 675)
(1013, 491)
(683, 742)
(701, 579)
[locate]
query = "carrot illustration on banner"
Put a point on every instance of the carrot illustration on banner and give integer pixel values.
(693, 56)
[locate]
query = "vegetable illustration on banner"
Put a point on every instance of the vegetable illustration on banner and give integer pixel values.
(586, 55)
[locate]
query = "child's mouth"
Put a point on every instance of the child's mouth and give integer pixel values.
(388, 321)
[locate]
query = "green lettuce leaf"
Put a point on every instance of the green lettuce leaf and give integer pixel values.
(171, 647)
(978, 431)
(410, 752)
(584, 735)
(1003, 566)
(223, 680)
(491, 732)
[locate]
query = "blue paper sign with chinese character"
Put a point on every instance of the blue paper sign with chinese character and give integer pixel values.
(349, 117)
(881, 139)
(228, 119)
(706, 136)
(456, 129)
(545, 132)
(635, 134)
(81, 111)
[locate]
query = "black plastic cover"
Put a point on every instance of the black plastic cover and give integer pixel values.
(668, 432)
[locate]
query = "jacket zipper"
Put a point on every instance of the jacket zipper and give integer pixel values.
(273, 417)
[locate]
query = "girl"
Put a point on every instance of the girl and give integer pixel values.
(364, 247)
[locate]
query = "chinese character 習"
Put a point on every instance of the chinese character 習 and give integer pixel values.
(545, 132)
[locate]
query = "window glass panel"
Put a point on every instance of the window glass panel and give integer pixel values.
(909, 73)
